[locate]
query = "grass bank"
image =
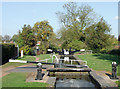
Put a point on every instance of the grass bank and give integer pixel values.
(101, 62)
(26, 58)
(18, 80)
(45, 56)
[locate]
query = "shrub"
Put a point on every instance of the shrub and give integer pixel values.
(115, 51)
(26, 50)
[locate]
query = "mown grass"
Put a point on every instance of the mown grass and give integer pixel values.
(45, 56)
(19, 80)
(101, 62)
(26, 58)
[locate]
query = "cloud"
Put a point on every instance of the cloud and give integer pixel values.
(117, 17)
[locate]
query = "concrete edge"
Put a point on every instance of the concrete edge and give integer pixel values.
(102, 82)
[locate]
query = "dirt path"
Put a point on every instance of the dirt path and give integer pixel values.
(5, 69)
(36, 58)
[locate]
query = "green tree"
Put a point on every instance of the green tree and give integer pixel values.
(97, 36)
(20, 41)
(77, 45)
(77, 18)
(1, 38)
(15, 38)
(43, 32)
(26, 39)
(28, 36)
(67, 36)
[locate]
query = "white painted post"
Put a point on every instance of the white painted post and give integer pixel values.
(17, 51)
(46, 60)
(71, 62)
(21, 53)
(91, 51)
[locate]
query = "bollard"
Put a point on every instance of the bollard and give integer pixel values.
(39, 72)
(114, 70)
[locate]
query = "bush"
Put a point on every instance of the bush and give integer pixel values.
(8, 51)
(26, 50)
(112, 51)
(115, 51)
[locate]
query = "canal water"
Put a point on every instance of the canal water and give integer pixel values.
(82, 80)
(74, 81)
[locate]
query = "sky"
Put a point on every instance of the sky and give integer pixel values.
(16, 14)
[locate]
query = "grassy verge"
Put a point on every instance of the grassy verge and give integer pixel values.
(26, 58)
(45, 56)
(18, 80)
(118, 83)
(101, 62)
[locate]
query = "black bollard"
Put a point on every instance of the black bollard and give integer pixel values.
(39, 72)
(114, 70)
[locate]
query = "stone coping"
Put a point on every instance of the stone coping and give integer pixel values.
(104, 84)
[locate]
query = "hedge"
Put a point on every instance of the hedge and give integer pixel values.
(8, 51)
(115, 51)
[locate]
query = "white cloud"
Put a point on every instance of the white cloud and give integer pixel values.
(117, 17)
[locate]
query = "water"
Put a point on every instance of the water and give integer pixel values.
(81, 81)
(73, 80)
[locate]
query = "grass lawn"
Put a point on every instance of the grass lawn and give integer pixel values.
(27, 58)
(45, 56)
(18, 80)
(101, 61)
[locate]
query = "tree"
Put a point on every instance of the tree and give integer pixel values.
(20, 41)
(43, 31)
(67, 36)
(77, 45)
(54, 41)
(77, 18)
(26, 38)
(1, 38)
(6, 38)
(97, 37)
(15, 38)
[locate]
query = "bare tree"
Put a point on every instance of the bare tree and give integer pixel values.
(6, 38)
